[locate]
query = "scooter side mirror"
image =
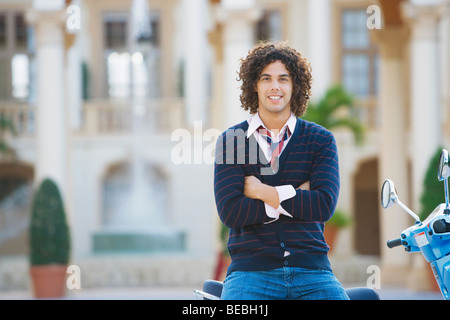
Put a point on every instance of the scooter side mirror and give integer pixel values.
(388, 194)
(444, 170)
(443, 174)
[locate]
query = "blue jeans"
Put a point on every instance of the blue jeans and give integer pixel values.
(288, 283)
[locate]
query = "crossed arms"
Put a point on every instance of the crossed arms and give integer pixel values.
(255, 189)
(242, 199)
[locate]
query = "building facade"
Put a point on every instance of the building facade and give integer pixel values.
(121, 101)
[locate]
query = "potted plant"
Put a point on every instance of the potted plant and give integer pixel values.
(49, 241)
(338, 221)
(432, 196)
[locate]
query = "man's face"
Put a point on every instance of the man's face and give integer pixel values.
(274, 88)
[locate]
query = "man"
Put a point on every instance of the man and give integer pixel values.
(276, 182)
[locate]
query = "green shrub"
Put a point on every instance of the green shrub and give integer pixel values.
(433, 189)
(49, 233)
(339, 219)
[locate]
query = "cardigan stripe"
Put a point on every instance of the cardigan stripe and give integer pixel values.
(310, 155)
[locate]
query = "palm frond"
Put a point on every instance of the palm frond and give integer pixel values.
(353, 125)
(327, 112)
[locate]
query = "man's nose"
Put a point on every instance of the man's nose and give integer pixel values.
(275, 85)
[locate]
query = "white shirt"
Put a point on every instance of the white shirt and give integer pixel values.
(285, 191)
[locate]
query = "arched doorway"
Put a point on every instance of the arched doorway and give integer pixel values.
(366, 202)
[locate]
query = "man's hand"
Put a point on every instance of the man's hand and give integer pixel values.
(304, 186)
(251, 186)
(255, 189)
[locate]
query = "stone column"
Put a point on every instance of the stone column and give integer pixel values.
(73, 85)
(426, 121)
(393, 159)
(445, 71)
(425, 109)
(196, 62)
(51, 121)
(238, 20)
(319, 46)
(73, 65)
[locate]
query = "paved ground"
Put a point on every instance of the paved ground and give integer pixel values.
(184, 293)
(404, 294)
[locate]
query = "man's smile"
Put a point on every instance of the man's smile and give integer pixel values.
(277, 97)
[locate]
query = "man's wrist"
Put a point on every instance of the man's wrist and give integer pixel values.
(268, 194)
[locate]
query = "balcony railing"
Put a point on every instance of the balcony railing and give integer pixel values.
(369, 113)
(21, 115)
(104, 117)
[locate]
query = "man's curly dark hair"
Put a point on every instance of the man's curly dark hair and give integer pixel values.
(265, 53)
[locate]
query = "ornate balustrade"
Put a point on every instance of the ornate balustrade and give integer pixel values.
(105, 117)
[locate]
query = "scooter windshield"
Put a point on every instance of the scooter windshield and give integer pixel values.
(438, 210)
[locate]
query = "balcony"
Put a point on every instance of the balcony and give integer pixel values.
(102, 117)
(107, 117)
(22, 115)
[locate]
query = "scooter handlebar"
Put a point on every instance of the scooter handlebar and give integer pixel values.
(394, 243)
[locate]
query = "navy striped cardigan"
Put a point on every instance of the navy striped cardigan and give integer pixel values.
(255, 244)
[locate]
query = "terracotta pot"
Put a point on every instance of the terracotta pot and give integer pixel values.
(49, 281)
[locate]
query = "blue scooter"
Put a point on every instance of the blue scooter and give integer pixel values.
(432, 236)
